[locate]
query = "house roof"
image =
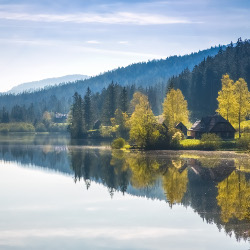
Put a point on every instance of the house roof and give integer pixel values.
(196, 126)
(180, 124)
(208, 123)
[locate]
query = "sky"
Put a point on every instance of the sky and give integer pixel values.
(42, 38)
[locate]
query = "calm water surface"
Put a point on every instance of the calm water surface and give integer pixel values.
(58, 194)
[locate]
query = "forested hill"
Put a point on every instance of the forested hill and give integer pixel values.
(142, 74)
(200, 87)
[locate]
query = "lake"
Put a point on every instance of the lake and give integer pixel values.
(62, 194)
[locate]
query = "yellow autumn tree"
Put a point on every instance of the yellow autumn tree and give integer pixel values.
(175, 184)
(143, 124)
(175, 108)
(234, 100)
(226, 99)
(242, 106)
(144, 170)
(234, 197)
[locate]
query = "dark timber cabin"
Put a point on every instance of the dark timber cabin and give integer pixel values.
(182, 128)
(214, 124)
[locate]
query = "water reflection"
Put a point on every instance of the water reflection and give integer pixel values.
(216, 186)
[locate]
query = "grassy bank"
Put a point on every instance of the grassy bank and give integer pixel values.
(242, 144)
(16, 127)
(29, 127)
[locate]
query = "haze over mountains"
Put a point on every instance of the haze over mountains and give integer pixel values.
(141, 74)
(197, 75)
(36, 85)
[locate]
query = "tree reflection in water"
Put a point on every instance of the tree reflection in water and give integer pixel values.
(215, 188)
(218, 189)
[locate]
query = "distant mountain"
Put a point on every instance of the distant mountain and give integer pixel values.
(143, 74)
(36, 85)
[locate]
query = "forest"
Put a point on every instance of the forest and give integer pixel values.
(144, 75)
(201, 85)
(117, 110)
(199, 81)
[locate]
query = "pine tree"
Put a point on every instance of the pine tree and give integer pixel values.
(5, 116)
(88, 111)
(110, 104)
(77, 128)
(170, 85)
(123, 100)
(31, 113)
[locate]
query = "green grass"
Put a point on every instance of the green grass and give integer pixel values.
(190, 144)
(16, 127)
(194, 144)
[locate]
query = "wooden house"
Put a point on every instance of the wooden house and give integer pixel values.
(214, 124)
(182, 128)
(60, 118)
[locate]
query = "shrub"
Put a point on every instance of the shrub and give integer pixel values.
(244, 142)
(107, 132)
(211, 141)
(118, 143)
(16, 127)
(176, 138)
(58, 127)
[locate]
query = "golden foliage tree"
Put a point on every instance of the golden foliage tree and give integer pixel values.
(143, 129)
(242, 97)
(175, 108)
(121, 123)
(234, 197)
(144, 170)
(226, 99)
(234, 100)
(175, 184)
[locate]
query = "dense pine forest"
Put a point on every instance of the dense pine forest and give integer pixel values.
(147, 74)
(200, 87)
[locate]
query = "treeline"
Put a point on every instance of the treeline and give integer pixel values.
(201, 85)
(144, 74)
(95, 107)
(108, 107)
(133, 120)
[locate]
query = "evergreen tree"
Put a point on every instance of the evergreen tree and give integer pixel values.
(123, 100)
(31, 113)
(5, 116)
(88, 111)
(170, 84)
(109, 104)
(77, 128)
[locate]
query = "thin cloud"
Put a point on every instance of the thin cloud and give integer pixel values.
(93, 42)
(111, 18)
(123, 42)
(78, 47)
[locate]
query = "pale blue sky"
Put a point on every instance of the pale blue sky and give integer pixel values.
(41, 39)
